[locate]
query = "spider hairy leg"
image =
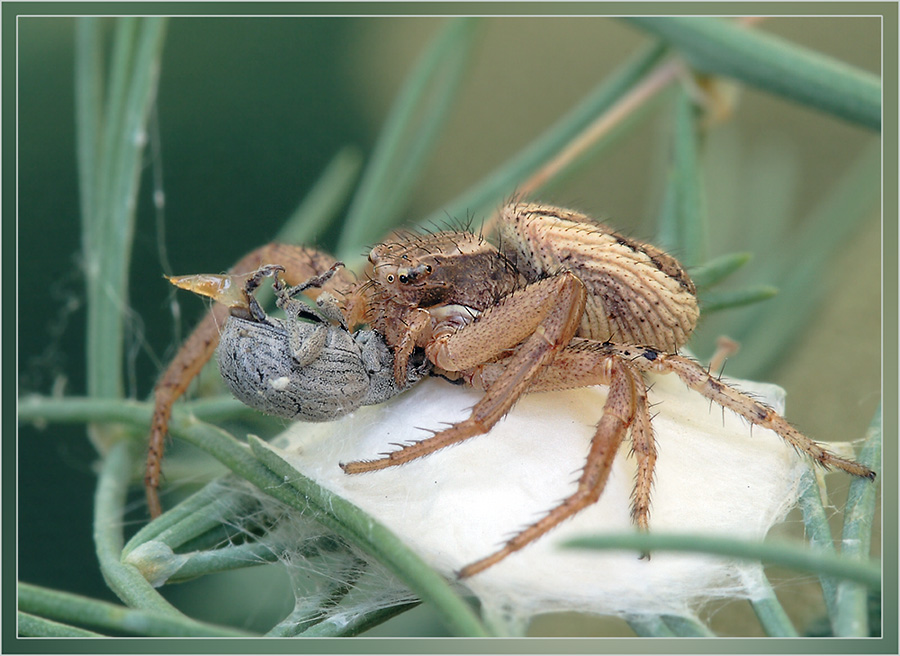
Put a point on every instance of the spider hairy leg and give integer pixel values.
(555, 307)
(584, 363)
(643, 446)
(501, 327)
(194, 353)
(299, 263)
(699, 379)
(416, 325)
(618, 414)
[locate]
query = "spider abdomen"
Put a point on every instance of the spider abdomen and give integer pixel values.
(637, 293)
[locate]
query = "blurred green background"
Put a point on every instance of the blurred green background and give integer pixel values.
(250, 111)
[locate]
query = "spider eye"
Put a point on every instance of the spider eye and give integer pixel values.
(390, 277)
(404, 280)
(428, 268)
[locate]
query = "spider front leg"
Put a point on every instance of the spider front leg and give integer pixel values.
(414, 326)
(699, 379)
(299, 263)
(545, 315)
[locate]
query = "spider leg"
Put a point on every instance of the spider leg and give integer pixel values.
(547, 309)
(299, 263)
(618, 414)
(417, 324)
(557, 315)
(643, 446)
(700, 380)
(581, 364)
(193, 354)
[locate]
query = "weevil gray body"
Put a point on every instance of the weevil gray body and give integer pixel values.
(336, 371)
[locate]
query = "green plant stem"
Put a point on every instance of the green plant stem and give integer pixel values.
(201, 563)
(785, 555)
(683, 226)
(37, 627)
(359, 624)
(88, 101)
(81, 409)
(722, 47)
(686, 627)
(771, 614)
(318, 209)
(219, 538)
(218, 408)
(110, 186)
(72, 608)
(856, 538)
(718, 269)
(818, 533)
(197, 515)
(125, 580)
(323, 202)
(407, 137)
(650, 627)
(716, 301)
(197, 528)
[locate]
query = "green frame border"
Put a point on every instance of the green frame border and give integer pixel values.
(888, 643)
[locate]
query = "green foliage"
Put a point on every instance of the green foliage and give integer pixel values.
(720, 47)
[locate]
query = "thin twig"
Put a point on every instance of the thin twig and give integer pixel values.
(642, 93)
